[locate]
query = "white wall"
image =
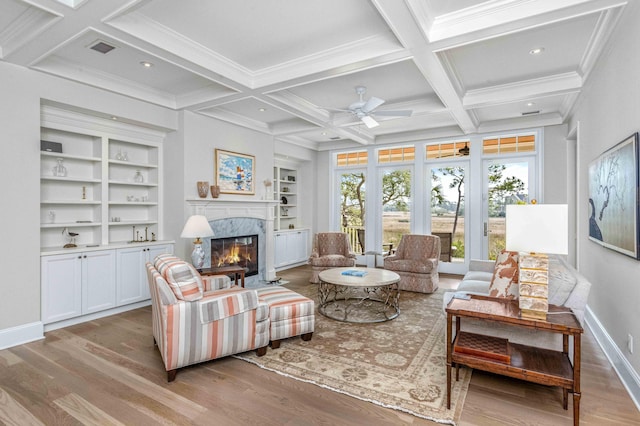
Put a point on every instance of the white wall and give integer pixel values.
(22, 91)
(609, 111)
(554, 172)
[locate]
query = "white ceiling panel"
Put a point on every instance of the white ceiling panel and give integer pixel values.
(261, 34)
(507, 59)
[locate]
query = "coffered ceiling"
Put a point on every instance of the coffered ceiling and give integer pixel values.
(290, 68)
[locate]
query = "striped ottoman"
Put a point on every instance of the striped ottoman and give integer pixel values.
(291, 314)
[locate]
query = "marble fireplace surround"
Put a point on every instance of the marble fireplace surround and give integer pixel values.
(241, 217)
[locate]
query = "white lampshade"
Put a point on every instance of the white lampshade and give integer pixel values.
(197, 226)
(538, 228)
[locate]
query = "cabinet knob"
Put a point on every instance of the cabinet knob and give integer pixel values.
(85, 256)
(79, 257)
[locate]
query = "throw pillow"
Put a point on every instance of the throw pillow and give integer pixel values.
(504, 282)
(185, 281)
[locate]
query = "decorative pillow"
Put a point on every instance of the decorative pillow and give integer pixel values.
(504, 282)
(185, 281)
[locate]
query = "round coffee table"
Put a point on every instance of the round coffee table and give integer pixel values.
(372, 297)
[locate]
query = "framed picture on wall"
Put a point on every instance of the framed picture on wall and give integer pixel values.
(235, 172)
(613, 198)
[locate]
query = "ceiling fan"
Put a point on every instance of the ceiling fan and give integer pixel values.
(365, 110)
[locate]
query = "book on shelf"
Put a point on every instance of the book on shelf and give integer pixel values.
(354, 273)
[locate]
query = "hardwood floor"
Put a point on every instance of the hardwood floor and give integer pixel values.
(108, 372)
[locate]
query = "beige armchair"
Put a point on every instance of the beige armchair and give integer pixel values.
(416, 261)
(330, 250)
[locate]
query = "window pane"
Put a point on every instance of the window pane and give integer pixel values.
(508, 184)
(447, 211)
(352, 212)
(396, 213)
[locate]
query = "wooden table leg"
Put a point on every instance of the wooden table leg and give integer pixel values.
(242, 277)
(576, 378)
(448, 361)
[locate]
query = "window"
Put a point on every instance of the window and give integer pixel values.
(394, 155)
(509, 144)
(448, 150)
(355, 158)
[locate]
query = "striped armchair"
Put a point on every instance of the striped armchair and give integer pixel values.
(193, 317)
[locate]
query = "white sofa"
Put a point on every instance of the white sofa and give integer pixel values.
(567, 287)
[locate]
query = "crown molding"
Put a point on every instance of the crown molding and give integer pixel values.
(102, 80)
(604, 27)
(235, 118)
(513, 92)
(25, 28)
(519, 123)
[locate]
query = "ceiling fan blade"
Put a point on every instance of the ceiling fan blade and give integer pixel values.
(372, 104)
(397, 113)
(369, 121)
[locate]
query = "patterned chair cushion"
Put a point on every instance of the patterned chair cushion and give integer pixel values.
(227, 303)
(504, 282)
(183, 279)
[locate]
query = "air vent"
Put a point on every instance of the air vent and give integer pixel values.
(101, 46)
(335, 138)
(531, 113)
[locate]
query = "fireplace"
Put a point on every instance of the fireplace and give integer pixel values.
(236, 251)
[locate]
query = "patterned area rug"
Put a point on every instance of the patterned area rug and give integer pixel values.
(398, 364)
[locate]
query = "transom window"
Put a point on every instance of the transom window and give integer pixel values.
(355, 158)
(509, 144)
(395, 155)
(448, 150)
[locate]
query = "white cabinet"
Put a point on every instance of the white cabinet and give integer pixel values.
(76, 284)
(132, 274)
(291, 247)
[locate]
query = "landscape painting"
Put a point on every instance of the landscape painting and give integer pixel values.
(613, 198)
(234, 172)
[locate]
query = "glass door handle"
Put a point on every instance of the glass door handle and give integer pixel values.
(485, 229)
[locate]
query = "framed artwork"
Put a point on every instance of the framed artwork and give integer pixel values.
(613, 198)
(235, 172)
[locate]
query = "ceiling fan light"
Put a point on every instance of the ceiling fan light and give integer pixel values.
(369, 122)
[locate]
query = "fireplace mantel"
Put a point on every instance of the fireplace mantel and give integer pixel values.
(215, 209)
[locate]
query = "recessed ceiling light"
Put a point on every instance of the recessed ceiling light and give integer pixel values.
(531, 103)
(146, 64)
(324, 133)
(536, 51)
(262, 109)
(113, 117)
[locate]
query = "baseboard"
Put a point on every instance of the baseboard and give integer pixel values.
(621, 365)
(96, 315)
(21, 334)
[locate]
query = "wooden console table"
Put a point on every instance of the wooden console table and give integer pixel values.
(494, 355)
(226, 270)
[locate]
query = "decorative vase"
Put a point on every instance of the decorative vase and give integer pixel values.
(203, 189)
(59, 169)
(215, 191)
(138, 178)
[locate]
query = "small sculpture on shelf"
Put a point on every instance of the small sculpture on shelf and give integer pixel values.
(59, 169)
(71, 238)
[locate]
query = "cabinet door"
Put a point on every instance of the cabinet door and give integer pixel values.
(152, 252)
(132, 279)
(99, 281)
(299, 242)
(280, 246)
(61, 287)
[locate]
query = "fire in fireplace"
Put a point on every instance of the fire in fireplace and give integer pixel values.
(236, 251)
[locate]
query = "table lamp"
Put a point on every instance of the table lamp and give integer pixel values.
(197, 226)
(536, 230)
